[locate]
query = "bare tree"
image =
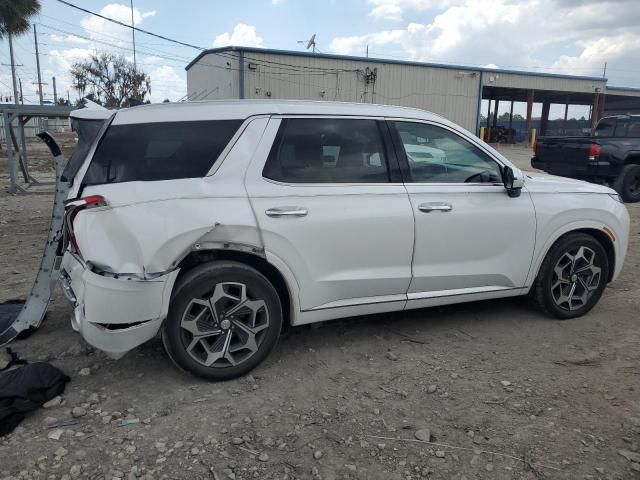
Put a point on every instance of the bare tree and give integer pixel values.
(110, 80)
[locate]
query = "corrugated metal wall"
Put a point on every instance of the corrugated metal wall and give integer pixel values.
(213, 77)
(449, 92)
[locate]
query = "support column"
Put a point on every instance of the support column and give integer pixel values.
(544, 120)
(496, 103)
(566, 114)
(13, 173)
(487, 132)
(511, 122)
(527, 125)
(595, 115)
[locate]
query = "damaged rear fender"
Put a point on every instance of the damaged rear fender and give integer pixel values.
(151, 237)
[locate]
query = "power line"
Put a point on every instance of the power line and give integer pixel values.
(130, 26)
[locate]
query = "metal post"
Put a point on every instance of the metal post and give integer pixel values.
(241, 73)
(479, 105)
(133, 34)
(21, 96)
(13, 70)
(527, 124)
(544, 119)
(13, 172)
(487, 132)
(594, 111)
(566, 114)
(496, 103)
(511, 122)
(55, 92)
(23, 149)
(35, 38)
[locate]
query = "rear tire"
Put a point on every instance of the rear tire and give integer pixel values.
(627, 184)
(224, 319)
(572, 277)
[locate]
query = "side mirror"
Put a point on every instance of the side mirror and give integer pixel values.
(513, 180)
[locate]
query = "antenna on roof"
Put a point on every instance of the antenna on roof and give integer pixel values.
(311, 43)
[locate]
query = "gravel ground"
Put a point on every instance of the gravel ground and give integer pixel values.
(489, 390)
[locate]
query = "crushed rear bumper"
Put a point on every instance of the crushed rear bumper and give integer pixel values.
(114, 314)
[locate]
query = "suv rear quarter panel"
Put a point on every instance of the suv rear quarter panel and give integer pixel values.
(148, 227)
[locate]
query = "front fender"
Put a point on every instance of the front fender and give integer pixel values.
(580, 212)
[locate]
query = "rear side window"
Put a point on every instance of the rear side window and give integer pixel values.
(327, 150)
(628, 128)
(159, 151)
(605, 128)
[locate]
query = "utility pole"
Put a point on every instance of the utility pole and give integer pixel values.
(21, 97)
(13, 70)
(35, 38)
(55, 92)
(133, 34)
(68, 100)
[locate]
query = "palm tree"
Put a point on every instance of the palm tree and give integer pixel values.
(14, 20)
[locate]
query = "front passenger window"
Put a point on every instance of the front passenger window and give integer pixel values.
(437, 155)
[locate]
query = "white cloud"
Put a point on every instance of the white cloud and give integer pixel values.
(570, 36)
(393, 9)
(167, 83)
(242, 35)
(99, 28)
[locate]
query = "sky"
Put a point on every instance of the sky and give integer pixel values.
(555, 36)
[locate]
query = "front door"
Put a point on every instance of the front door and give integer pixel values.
(471, 237)
(328, 205)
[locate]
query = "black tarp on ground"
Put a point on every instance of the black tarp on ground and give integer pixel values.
(26, 388)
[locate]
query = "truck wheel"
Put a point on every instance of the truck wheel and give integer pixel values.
(628, 183)
(224, 318)
(572, 277)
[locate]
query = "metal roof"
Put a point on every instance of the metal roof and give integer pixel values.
(385, 60)
(624, 89)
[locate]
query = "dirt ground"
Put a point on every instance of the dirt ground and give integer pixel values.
(505, 392)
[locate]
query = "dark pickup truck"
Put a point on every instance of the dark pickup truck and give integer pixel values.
(611, 155)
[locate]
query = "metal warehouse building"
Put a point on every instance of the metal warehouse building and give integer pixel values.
(453, 91)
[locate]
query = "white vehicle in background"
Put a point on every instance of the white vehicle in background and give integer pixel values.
(215, 223)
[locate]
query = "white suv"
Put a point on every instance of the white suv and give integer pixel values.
(216, 223)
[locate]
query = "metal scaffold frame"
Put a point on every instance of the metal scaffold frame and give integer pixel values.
(16, 144)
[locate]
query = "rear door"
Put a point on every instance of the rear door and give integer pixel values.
(330, 204)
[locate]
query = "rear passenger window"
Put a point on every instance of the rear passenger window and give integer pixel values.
(159, 151)
(605, 128)
(327, 150)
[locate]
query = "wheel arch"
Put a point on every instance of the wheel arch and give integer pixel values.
(633, 158)
(598, 233)
(286, 292)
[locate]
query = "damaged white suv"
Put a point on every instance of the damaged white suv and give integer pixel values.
(215, 223)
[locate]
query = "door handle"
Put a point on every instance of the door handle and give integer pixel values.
(435, 207)
(286, 212)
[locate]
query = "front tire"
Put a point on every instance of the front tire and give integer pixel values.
(224, 319)
(627, 184)
(572, 277)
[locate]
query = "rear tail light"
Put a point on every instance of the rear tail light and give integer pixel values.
(73, 207)
(594, 152)
(535, 147)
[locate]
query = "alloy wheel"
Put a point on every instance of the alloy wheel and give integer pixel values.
(576, 277)
(225, 327)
